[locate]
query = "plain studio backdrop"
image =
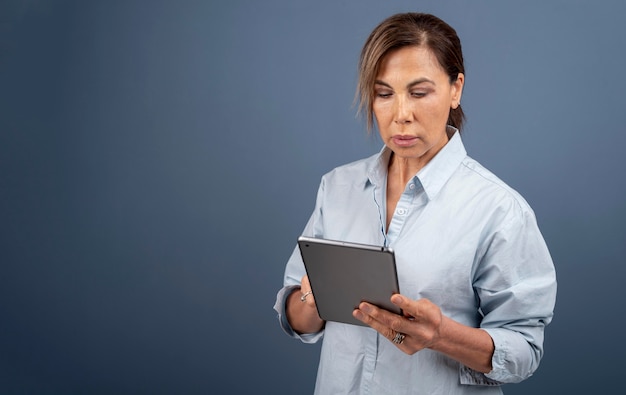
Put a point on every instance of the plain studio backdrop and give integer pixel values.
(158, 160)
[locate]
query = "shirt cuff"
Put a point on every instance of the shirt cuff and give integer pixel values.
(507, 367)
(469, 376)
(279, 306)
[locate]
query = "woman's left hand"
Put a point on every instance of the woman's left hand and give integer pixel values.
(419, 328)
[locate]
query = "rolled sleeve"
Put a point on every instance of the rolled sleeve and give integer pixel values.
(514, 359)
(294, 272)
(516, 287)
(280, 305)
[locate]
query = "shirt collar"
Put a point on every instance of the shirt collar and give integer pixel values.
(377, 173)
(435, 174)
(438, 171)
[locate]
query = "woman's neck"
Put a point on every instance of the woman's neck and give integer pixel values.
(403, 169)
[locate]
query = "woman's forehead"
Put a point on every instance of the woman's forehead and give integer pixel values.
(418, 61)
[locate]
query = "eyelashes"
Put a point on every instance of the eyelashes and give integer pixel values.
(386, 95)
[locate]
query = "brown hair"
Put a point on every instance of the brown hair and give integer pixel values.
(402, 30)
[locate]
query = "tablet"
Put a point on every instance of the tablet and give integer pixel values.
(344, 274)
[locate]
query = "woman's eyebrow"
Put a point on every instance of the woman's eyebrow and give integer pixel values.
(419, 81)
(409, 85)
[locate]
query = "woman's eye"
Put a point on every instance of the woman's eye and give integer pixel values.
(418, 94)
(383, 95)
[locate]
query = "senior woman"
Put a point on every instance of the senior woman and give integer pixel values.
(477, 282)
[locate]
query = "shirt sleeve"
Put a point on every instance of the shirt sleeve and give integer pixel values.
(294, 271)
(292, 282)
(515, 283)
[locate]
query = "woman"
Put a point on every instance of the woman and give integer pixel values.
(477, 282)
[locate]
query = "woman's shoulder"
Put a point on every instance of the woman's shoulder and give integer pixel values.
(353, 172)
(491, 187)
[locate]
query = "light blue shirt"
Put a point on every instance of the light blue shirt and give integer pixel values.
(463, 239)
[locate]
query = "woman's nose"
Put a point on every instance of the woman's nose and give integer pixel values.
(403, 112)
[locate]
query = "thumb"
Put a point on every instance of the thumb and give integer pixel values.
(404, 304)
(399, 300)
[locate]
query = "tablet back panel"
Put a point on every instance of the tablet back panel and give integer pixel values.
(344, 274)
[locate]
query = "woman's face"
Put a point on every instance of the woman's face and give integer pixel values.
(412, 100)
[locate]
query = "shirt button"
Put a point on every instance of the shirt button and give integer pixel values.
(401, 211)
(411, 186)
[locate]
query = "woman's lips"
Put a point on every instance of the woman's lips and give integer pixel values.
(404, 141)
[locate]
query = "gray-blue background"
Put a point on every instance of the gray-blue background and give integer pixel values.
(158, 160)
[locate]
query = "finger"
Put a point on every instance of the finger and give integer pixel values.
(307, 297)
(304, 284)
(398, 300)
(306, 292)
(373, 323)
(389, 325)
(398, 337)
(383, 321)
(413, 309)
(383, 316)
(424, 320)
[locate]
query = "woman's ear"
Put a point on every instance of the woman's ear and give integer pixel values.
(457, 91)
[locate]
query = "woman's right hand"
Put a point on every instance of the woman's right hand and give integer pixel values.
(302, 311)
(307, 293)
